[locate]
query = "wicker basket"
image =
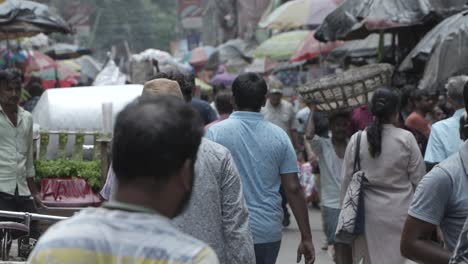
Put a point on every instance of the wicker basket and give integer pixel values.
(348, 90)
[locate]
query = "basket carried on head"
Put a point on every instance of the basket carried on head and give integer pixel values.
(348, 90)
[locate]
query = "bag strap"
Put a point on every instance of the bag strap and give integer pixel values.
(357, 159)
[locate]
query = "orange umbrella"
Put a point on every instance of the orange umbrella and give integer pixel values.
(311, 48)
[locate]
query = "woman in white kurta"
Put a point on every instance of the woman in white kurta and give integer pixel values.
(393, 165)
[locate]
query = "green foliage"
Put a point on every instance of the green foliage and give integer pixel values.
(61, 168)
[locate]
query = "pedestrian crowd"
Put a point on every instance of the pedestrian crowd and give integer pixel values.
(192, 182)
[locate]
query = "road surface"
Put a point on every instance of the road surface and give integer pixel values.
(291, 238)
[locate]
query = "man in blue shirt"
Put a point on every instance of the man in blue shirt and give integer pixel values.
(445, 135)
(440, 200)
(265, 158)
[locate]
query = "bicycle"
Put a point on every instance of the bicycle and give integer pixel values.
(11, 231)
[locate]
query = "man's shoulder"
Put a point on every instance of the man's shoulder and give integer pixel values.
(274, 129)
(212, 149)
(451, 169)
(94, 227)
(25, 114)
(443, 125)
(415, 117)
(228, 123)
(200, 104)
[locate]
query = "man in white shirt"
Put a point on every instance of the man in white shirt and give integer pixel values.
(444, 139)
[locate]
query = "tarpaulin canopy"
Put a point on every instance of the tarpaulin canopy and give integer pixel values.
(365, 16)
(26, 18)
(362, 48)
(441, 54)
(65, 51)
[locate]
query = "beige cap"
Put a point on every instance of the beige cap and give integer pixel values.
(275, 86)
(162, 87)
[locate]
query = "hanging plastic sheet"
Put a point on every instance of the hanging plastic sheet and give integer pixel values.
(361, 17)
(110, 75)
(441, 54)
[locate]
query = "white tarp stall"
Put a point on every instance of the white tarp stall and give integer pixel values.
(83, 109)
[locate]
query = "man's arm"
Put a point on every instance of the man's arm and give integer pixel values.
(310, 128)
(292, 125)
(34, 192)
(312, 142)
(416, 166)
(435, 150)
(416, 243)
(427, 212)
(30, 171)
(236, 228)
(295, 197)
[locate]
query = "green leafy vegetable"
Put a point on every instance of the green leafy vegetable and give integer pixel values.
(61, 168)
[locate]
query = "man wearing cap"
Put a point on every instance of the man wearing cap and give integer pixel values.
(281, 113)
(217, 213)
(278, 111)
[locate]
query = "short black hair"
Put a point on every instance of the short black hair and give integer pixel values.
(249, 90)
(339, 115)
(418, 94)
(36, 89)
(153, 137)
(14, 74)
(3, 76)
(223, 102)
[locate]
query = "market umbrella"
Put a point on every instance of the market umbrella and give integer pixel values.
(64, 73)
(9, 58)
(281, 46)
(64, 51)
(311, 48)
(38, 61)
(262, 66)
(225, 79)
(441, 54)
(356, 19)
(20, 18)
(299, 13)
(41, 65)
(199, 56)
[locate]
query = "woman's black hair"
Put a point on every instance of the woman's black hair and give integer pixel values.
(384, 104)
